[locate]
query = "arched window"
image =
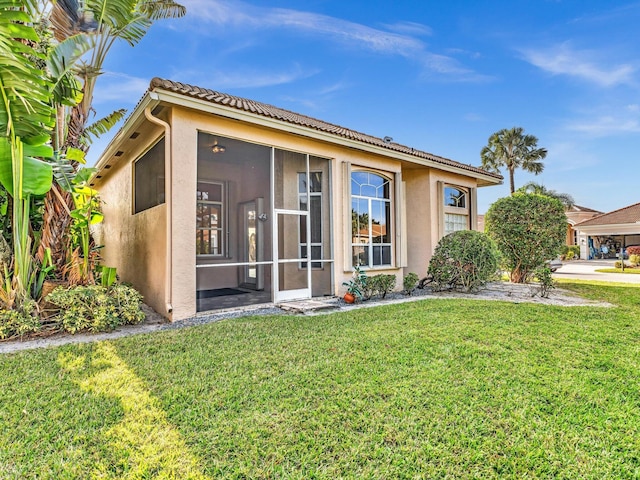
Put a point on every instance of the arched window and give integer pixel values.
(456, 209)
(370, 219)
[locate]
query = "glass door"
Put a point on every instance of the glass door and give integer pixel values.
(292, 275)
(252, 244)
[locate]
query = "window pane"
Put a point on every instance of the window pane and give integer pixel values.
(455, 197)
(211, 192)
(316, 181)
(386, 255)
(302, 183)
(379, 221)
(360, 255)
(454, 222)
(303, 229)
(315, 217)
(360, 218)
(149, 178)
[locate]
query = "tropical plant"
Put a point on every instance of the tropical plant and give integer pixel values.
(26, 120)
(528, 229)
(100, 23)
(511, 148)
(358, 282)
(464, 260)
(533, 187)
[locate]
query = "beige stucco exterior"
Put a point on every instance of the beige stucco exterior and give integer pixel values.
(136, 243)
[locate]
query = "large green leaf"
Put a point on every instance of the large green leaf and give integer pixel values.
(37, 176)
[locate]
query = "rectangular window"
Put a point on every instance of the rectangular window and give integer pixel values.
(454, 222)
(210, 219)
(148, 173)
(311, 202)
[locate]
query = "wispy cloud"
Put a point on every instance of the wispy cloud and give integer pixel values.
(246, 78)
(606, 125)
(562, 59)
(409, 28)
(399, 39)
(119, 87)
(474, 117)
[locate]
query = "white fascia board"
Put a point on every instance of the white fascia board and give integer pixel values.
(255, 119)
(133, 119)
(613, 229)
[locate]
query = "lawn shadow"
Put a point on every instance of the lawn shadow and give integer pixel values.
(143, 444)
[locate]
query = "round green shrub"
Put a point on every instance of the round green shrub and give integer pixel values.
(529, 229)
(464, 260)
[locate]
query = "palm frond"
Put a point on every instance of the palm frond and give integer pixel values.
(102, 126)
(161, 9)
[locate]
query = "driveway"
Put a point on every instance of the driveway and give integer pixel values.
(586, 270)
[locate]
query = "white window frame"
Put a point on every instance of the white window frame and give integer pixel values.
(390, 222)
(222, 228)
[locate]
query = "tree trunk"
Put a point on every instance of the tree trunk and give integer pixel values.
(58, 202)
(55, 226)
(511, 181)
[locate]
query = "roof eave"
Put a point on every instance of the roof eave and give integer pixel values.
(249, 117)
(149, 99)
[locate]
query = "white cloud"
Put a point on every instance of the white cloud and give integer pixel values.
(400, 39)
(606, 125)
(585, 64)
(119, 87)
(247, 78)
(409, 28)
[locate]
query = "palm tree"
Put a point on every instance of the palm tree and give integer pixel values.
(533, 187)
(511, 148)
(101, 23)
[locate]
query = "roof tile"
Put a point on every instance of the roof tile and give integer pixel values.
(270, 111)
(630, 214)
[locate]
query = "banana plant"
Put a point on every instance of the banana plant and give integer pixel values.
(26, 121)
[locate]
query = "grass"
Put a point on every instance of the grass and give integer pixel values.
(629, 270)
(430, 389)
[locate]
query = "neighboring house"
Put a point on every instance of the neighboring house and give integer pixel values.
(575, 215)
(211, 200)
(606, 234)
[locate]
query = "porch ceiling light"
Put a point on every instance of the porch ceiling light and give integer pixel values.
(215, 148)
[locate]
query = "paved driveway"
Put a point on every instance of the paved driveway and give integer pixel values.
(586, 270)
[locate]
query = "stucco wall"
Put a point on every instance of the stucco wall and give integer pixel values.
(134, 244)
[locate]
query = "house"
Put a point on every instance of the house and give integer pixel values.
(606, 234)
(576, 214)
(214, 201)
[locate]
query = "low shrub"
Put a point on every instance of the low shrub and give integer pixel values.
(545, 282)
(464, 260)
(618, 264)
(570, 252)
(410, 282)
(634, 259)
(96, 308)
(380, 284)
(16, 323)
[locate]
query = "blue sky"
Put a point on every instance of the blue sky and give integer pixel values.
(437, 76)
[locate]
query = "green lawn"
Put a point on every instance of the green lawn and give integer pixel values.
(430, 389)
(619, 270)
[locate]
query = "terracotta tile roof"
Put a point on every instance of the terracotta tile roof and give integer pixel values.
(630, 214)
(276, 113)
(578, 208)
